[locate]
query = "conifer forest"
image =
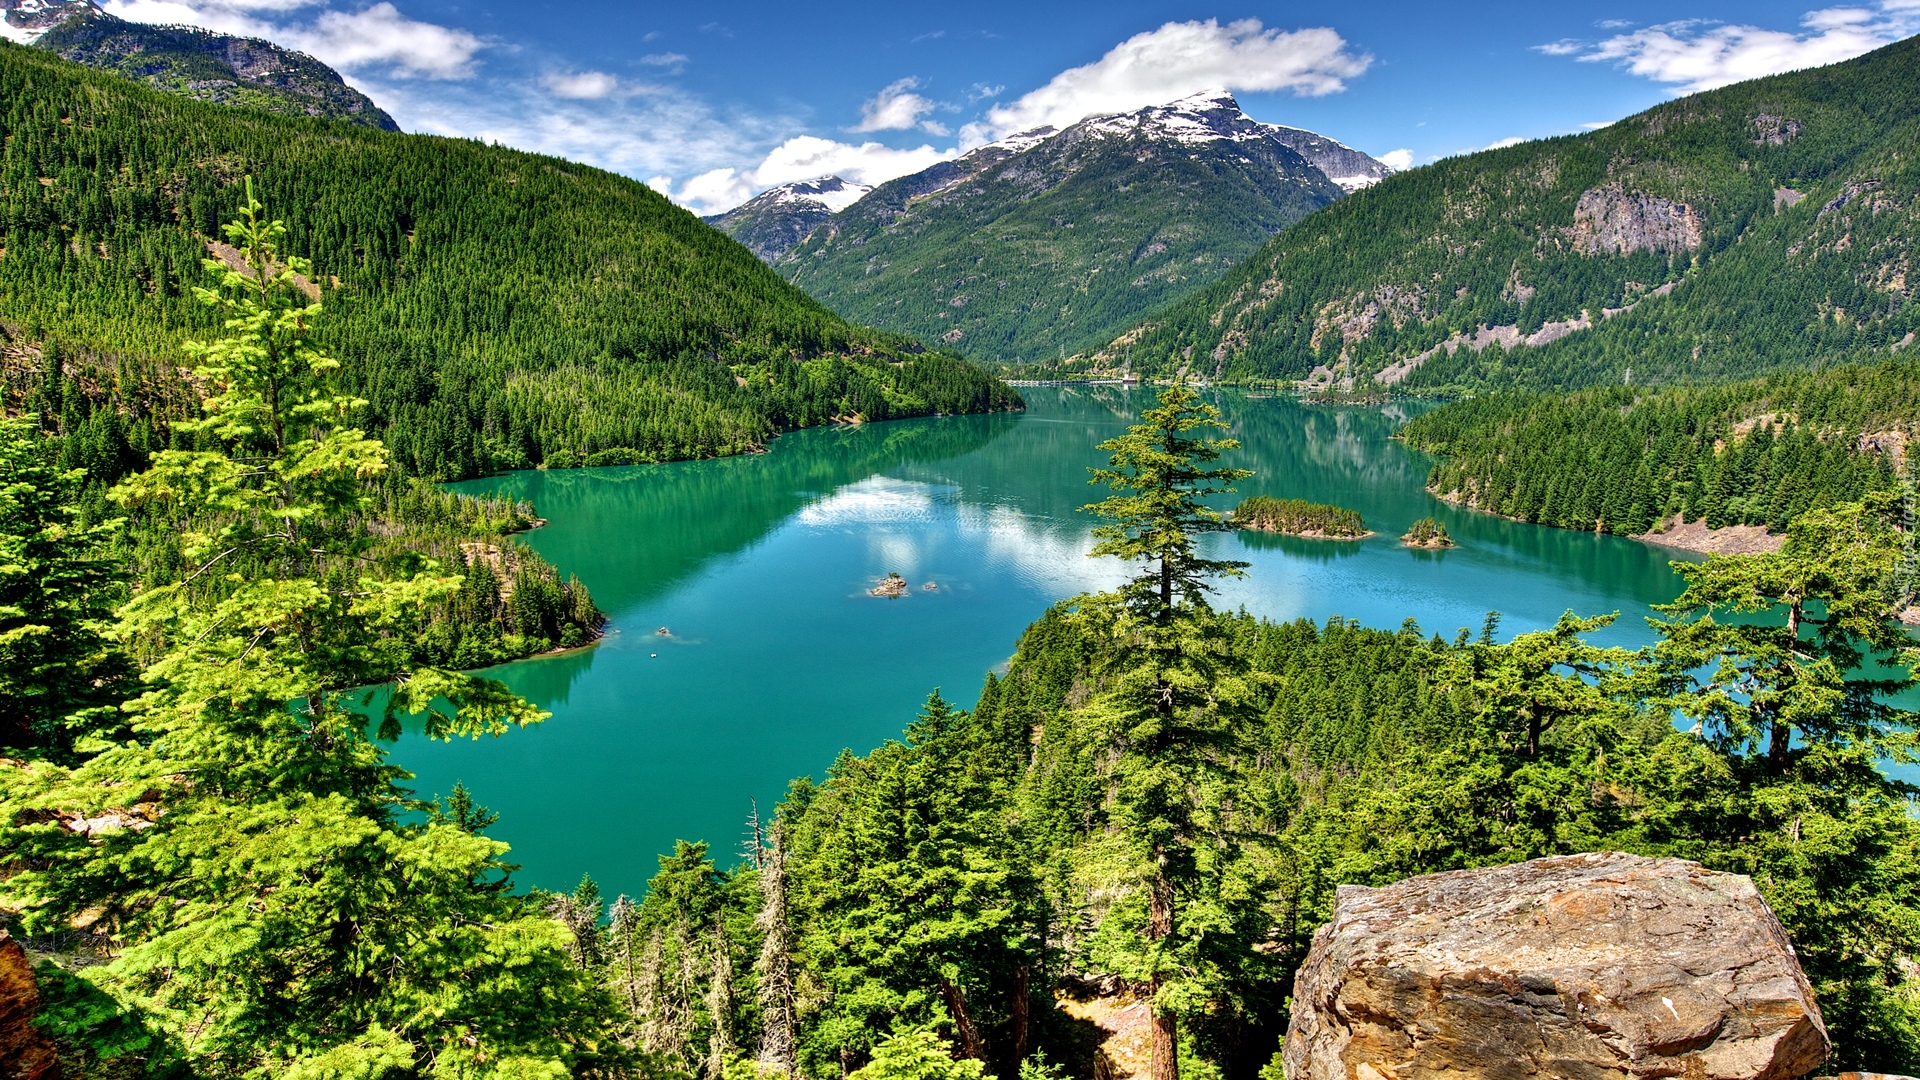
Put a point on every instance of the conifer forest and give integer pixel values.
(275, 388)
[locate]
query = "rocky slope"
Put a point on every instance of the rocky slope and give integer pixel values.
(245, 72)
(1762, 226)
(772, 222)
(1051, 241)
(1602, 965)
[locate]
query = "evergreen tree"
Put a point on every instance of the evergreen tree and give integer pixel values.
(59, 674)
(1174, 682)
(1826, 606)
(248, 851)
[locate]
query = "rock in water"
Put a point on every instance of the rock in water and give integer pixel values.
(1592, 966)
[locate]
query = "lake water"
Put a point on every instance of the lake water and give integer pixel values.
(776, 659)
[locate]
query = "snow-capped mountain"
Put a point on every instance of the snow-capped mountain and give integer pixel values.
(1212, 116)
(773, 221)
(1051, 240)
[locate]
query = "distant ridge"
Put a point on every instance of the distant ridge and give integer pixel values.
(200, 64)
(772, 222)
(1050, 241)
(1765, 226)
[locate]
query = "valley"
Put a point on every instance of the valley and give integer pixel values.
(463, 614)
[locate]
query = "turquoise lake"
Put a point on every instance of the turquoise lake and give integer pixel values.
(776, 659)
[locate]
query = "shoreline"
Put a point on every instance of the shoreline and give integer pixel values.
(1307, 534)
(1671, 532)
(1694, 536)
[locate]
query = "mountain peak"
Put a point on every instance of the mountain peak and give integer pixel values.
(1208, 100)
(772, 222)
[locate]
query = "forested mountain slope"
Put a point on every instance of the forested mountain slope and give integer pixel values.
(1762, 226)
(1053, 241)
(495, 307)
(1625, 459)
(245, 72)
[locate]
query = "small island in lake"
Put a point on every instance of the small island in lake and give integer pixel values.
(1427, 533)
(893, 586)
(1298, 517)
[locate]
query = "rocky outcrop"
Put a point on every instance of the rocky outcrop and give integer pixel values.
(25, 1053)
(1613, 221)
(1601, 967)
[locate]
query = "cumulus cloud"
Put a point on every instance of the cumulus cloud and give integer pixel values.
(1502, 144)
(380, 35)
(580, 85)
(897, 108)
(376, 37)
(1695, 54)
(802, 157)
(1178, 59)
(1397, 160)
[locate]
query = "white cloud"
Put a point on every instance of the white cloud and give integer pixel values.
(1502, 144)
(372, 37)
(1397, 160)
(580, 85)
(802, 157)
(380, 35)
(897, 108)
(672, 63)
(1178, 59)
(1695, 55)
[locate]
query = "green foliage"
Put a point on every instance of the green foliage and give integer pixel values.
(245, 863)
(1019, 257)
(1166, 475)
(1427, 532)
(1626, 460)
(1835, 578)
(913, 906)
(59, 676)
(1298, 517)
(917, 1055)
(1801, 188)
(492, 306)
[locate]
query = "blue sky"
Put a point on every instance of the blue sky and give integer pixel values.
(713, 101)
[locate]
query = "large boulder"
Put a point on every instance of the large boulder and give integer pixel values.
(1596, 967)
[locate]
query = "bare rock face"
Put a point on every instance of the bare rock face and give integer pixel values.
(1597, 967)
(25, 1053)
(1612, 221)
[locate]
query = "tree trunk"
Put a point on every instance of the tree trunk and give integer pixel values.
(775, 965)
(1780, 739)
(720, 1003)
(1164, 1063)
(1021, 991)
(970, 1044)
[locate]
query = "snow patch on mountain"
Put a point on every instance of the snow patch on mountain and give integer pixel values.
(829, 191)
(24, 22)
(1214, 116)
